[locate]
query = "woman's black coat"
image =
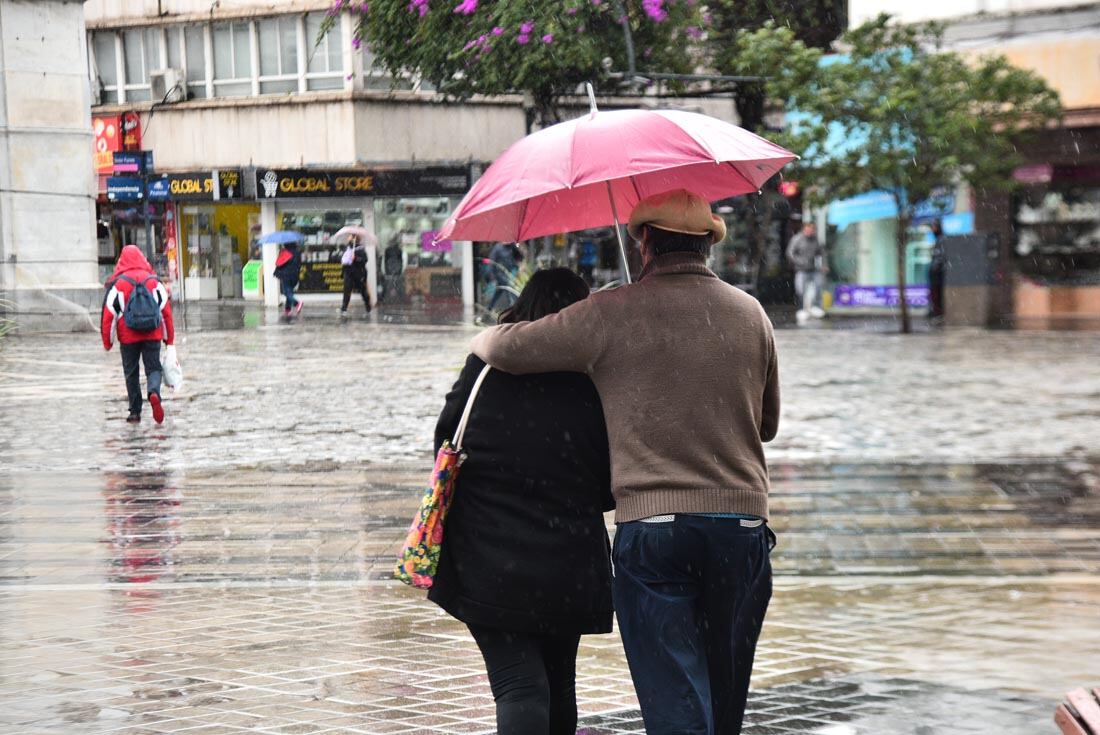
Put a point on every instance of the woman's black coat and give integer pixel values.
(524, 545)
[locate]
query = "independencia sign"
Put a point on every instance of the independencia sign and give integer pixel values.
(273, 183)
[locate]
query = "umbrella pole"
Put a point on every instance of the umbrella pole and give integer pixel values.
(619, 235)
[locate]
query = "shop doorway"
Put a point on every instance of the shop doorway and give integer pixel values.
(215, 240)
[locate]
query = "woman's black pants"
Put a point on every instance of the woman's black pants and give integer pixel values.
(354, 282)
(533, 679)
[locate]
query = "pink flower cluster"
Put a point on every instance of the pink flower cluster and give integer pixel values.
(419, 7)
(525, 29)
(468, 7)
(655, 9)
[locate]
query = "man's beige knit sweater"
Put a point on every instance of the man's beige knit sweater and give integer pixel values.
(686, 368)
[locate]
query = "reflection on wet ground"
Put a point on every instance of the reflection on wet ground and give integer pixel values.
(937, 502)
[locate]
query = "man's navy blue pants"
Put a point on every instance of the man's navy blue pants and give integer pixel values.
(690, 597)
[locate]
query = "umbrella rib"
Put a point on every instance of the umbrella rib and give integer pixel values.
(740, 173)
(522, 217)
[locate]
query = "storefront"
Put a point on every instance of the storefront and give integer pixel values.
(861, 238)
(1056, 254)
(126, 216)
(210, 230)
(404, 208)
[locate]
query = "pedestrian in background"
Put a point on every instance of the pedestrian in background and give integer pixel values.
(288, 266)
(686, 369)
(393, 272)
(353, 267)
(807, 256)
(936, 268)
(138, 311)
(525, 560)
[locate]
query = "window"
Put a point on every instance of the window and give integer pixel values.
(376, 76)
(278, 54)
(175, 48)
(194, 42)
(105, 65)
(141, 52)
(232, 60)
(326, 57)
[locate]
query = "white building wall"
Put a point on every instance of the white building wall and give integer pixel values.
(98, 12)
(430, 131)
(860, 11)
(47, 210)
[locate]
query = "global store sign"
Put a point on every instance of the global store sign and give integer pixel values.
(295, 183)
(200, 186)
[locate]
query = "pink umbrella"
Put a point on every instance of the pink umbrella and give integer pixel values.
(580, 174)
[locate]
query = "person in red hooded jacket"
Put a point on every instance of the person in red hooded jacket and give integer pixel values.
(137, 347)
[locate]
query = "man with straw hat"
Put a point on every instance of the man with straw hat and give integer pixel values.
(687, 372)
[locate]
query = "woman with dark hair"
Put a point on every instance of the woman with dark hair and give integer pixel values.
(525, 560)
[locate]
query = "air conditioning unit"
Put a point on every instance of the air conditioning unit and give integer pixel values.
(167, 85)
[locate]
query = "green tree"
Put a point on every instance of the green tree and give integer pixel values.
(787, 66)
(544, 50)
(899, 114)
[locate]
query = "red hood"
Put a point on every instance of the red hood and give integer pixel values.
(131, 259)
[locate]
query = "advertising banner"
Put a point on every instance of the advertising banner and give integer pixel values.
(107, 134)
(850, 295)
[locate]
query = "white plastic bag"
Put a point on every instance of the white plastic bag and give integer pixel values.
(173, 373)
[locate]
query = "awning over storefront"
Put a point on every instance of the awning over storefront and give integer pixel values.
(881, 205)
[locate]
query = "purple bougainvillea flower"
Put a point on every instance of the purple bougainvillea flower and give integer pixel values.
(419, 6)
(356, 42)
(497, 30)
(522, 39)
(468, 7)
(694, 32)
(597, 3)
(548, 38)
(526, 27)
(655, 10)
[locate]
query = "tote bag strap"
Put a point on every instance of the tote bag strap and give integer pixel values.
(461, 430)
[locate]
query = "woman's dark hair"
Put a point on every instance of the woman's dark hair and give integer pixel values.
(547, 292)
(664, 241)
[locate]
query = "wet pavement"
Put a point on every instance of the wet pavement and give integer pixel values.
(937, 500)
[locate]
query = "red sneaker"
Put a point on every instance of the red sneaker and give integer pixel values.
(158, 410)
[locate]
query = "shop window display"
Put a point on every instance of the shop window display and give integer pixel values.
(1058, 232)
(320, 254)
(413, 267)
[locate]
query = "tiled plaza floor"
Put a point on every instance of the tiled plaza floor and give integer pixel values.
(227, 572)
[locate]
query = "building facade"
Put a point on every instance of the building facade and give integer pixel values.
(1046, 231)
(47, 208)
(235, 119)
(244, 121)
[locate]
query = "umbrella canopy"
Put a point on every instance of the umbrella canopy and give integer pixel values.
(365, 236)
(582, 173)
(280, 237)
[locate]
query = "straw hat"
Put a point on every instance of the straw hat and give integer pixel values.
(677, 211)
